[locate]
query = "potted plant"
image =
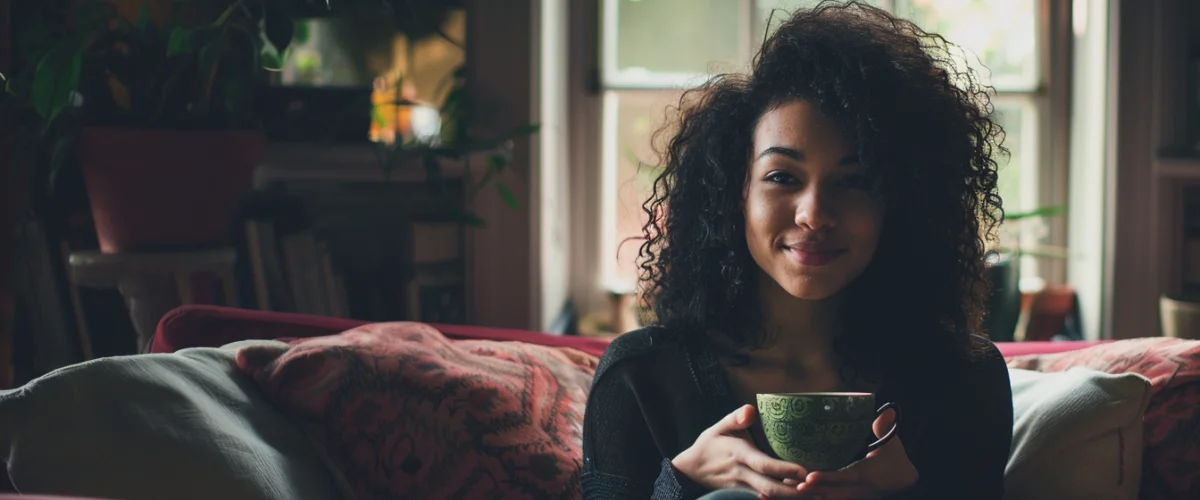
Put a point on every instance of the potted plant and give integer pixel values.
(161, 116)
(454, 142)
(1004, 270)
(405, 131)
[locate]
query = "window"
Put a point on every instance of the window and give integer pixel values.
(653, 49)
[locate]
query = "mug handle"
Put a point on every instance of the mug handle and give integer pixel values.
(891, 432)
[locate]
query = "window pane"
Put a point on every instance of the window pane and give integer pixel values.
(639, 114)
(1000, 35)
(1018, 183)
(693, 37)
(1010, 117)
(777, 11)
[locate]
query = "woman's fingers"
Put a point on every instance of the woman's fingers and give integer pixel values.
(848, 476)
(836, 492)
(763, 464)
(739, 419)
(767, 487)
(883, 424)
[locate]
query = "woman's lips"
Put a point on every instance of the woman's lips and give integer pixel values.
(814, 257)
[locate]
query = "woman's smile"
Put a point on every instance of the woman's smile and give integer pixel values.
(811, 255)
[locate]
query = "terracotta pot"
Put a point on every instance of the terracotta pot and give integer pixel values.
(156, 190)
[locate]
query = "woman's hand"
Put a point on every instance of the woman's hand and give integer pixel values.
(724, 456)
(883, 472)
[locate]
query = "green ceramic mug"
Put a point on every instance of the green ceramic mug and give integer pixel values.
(822, 431)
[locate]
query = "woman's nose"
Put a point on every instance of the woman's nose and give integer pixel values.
(815, 210)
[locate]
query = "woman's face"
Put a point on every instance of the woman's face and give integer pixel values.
(812, 220)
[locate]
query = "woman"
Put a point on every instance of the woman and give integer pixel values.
(819, 226)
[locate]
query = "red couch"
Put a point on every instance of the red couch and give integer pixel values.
(1167, 449)
(214, 326)
(211, 326)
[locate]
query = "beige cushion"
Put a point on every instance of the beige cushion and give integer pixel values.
(1076, 435)
(187, 425)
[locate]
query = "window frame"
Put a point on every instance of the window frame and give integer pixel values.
(593, 268)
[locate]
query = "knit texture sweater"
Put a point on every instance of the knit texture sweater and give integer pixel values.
(654, 393)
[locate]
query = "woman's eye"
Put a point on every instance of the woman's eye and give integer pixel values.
(780, 178)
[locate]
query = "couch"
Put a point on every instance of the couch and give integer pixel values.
(210, 326)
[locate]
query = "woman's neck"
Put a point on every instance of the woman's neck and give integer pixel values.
(797, 331)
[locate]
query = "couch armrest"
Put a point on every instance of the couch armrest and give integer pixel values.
(214, 326)
(1014, 349)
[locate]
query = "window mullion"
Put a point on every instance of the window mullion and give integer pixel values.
(608, 41)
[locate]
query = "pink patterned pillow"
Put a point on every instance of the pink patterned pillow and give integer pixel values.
(406, 413)
(1171, 425)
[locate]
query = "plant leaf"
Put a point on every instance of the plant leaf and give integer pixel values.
(474, 220)
(527, 130)
(143, 19)
(301, 33)
(507, 195)
(1037, 212)
(180, 41)
(57, 75)
(496, 163)
(271, 61)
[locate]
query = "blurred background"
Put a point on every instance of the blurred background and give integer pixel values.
(484, 162)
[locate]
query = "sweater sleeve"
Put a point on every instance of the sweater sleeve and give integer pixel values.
(966, 454)
(620, 457)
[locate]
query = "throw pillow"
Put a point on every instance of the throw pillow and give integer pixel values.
(1171, 467)
(1076, 435)
(187, 425)
(406, 413)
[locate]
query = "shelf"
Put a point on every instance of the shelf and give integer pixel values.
(346, 162)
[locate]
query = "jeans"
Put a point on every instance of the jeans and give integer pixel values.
(731, 494)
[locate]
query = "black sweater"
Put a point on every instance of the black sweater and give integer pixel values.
(654, 393)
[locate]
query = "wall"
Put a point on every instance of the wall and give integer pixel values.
(586, 107)
(501, 77)
(1130, 287)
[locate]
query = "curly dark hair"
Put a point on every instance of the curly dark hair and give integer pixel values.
(922, 127)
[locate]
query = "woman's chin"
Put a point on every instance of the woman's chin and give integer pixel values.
(812, 291)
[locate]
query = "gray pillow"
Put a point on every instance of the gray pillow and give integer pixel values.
(155, 426)
(1076, 435)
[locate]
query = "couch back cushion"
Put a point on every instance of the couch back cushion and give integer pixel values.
(214, 326)
(188, 425)
(1171, 467)
(404, 412)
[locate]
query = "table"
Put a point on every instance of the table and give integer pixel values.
(154, 282)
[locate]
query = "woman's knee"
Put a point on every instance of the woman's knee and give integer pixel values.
(731, 494)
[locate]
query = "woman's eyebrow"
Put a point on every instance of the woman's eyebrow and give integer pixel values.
(798, 155)
(794, 154)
